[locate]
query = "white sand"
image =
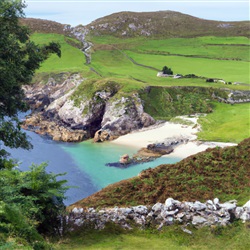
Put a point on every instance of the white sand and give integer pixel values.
(140, 139)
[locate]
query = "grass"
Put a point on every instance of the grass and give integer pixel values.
(233, 71)
(234, 237)
(183, 121)
(72, 59)
(212, 57)
(227, 123)
(103, 62)
(209, 47)
(114, 62)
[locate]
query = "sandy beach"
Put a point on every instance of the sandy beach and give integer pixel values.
(168, 131)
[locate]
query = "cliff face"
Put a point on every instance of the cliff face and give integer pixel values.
(68, 109)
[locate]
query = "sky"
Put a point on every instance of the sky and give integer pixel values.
(75, 12)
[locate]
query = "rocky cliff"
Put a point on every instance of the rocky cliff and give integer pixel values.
(70, 108)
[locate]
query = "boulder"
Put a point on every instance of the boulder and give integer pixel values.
(124, 159)
(197, 220)
(101, 135)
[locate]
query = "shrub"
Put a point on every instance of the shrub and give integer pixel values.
(167, 71)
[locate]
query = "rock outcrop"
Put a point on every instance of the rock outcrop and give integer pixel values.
(210, 213)
(65, 112)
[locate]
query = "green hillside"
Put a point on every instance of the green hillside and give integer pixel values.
(72, 59)
(210, 57)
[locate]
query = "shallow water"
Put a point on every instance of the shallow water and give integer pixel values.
(83, 162)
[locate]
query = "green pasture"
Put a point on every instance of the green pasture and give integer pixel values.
(225, 48)
(231, 71)
(228, 123)
(212, 57)
(208, 47)
(115, 63)
(234, 237)
(72, 59)
(203, 39)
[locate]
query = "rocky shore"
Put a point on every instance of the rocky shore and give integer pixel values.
(59, 113)
(198, 214)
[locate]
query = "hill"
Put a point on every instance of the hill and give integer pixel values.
(164, 24)
(44, 26)
(222, 173)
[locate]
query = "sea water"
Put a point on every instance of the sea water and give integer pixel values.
(84, 163)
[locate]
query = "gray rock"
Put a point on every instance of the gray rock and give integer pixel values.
(140, 209)
(197, 220)
(228, 205)
(198, 206)
(186, 230)
(238, 212)
(169, 220)
(79, 222)
(157, 208)
(210, 205)
(245, 216)
(247, 206)
(77, 210)
(169, 203)
(216, 201)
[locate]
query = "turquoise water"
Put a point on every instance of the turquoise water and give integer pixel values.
(83, 163)
(92, 157)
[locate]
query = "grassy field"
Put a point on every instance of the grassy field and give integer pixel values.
(112, 58)
(215, 57)
(235, 237)
(72, 59)
(229, 70)
(227, 123)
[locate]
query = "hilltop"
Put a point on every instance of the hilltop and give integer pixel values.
(164, 24)
(44, 26)
(217, 172)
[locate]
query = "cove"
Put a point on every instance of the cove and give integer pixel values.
(84, 163)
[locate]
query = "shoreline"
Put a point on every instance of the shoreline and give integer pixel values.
(166, 131)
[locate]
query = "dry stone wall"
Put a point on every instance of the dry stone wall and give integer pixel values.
(159, 215)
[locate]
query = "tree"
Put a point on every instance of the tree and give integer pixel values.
(31, 201)
(19, 58)
(167, 71)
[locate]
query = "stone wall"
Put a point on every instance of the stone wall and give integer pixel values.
(159, 215)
